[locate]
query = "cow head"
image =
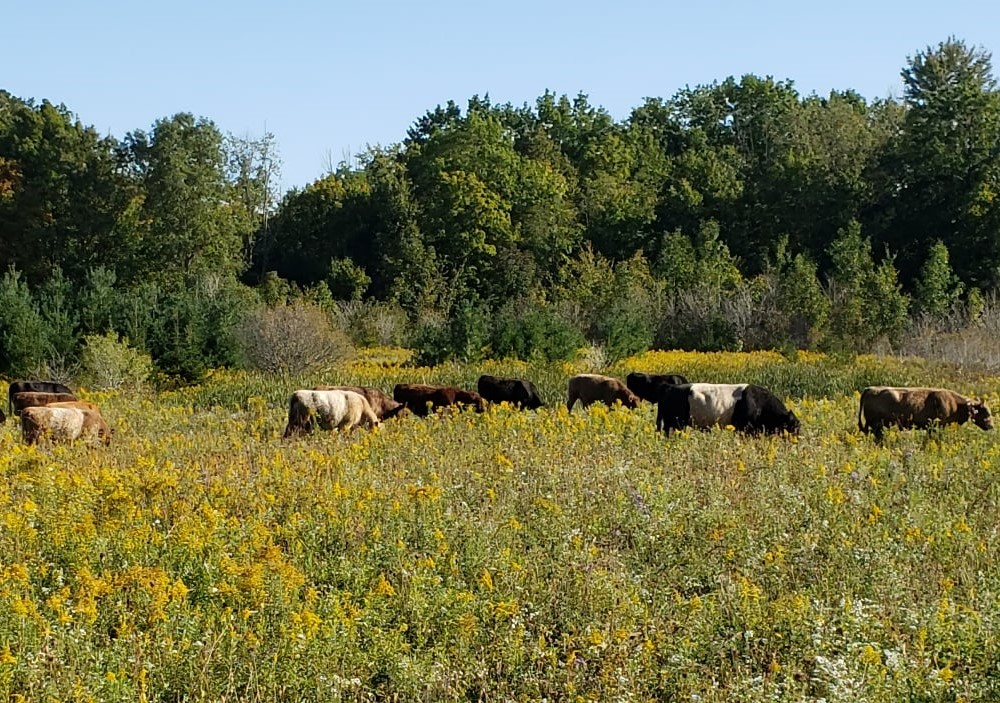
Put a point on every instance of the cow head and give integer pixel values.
(630, 399)
(980, 415)
(792, 423)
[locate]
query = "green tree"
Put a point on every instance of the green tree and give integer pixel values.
(946, 163)
(801, 298)
(23, 337)
(937, 288)
(188, 223)
(63, 197)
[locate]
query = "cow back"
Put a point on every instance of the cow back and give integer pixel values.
(31, 399)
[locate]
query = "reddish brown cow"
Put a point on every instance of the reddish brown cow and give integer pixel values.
(884, 406)
(32, 399)
(592, 388)
(421, 399)
(382, 403)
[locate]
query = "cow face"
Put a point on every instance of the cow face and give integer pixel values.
(792, 423)
(980, 415)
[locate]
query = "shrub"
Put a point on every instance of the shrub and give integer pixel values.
(23, 337)
(291, 339)
(108, 362)
(527, 330)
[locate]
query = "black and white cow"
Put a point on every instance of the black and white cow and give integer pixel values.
(750, 409)
(648, 385)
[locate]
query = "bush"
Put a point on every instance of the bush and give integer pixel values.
(464, 337)
(291, 339)
(23, 337)
(526, 330)
(373, 323)
(108, 362)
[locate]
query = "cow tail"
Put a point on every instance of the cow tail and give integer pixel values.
(861, 410)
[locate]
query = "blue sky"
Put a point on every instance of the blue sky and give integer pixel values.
(327, 78)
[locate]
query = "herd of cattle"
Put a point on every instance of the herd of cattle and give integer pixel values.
(51, 410)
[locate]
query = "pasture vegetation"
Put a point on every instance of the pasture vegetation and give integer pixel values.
(508, 555)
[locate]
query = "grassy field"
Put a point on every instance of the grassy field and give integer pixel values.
(505, 556)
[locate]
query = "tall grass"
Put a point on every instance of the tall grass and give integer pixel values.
(504, 556)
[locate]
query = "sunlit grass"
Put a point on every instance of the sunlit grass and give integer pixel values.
(504, 556)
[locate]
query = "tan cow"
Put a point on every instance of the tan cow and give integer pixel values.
(342, 410)
(591, 387)
(382, 403)
(884, 406)
(63, 425)
(32, 399)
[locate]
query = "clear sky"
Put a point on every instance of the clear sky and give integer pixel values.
(327, 78)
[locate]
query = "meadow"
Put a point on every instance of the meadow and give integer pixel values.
(505, 556)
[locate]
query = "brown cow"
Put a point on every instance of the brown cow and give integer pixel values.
(80, 404)
(63, 425)
(590, 388)
(32, 399)
(341, 410)
(883, 406)
(421, 399)
(382, 403)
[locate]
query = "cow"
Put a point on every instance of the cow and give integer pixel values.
(33, 387)
(920, 408)
(748, 408)
(63, 425)
(590, 388)
(648, 385)
(31, 399)
(330, 409)
(422, 399)
(382, 403)
(516, 391)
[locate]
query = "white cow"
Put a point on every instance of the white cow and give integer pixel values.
(331, 409)
(64, 424)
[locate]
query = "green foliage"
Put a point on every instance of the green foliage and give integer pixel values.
(526, 329)
(801, 299)
(23, 336)
(59, 316)
(347, 280)
(867, 302)
(937, 289)
(108, 362)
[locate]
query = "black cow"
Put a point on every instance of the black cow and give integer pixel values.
(516, 391)
(748, 408)
(33, 387)
(648, 386)
(761, 411)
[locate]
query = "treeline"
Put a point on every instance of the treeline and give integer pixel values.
(734, 215)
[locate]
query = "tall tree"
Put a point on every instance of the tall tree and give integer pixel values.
(946, 163)
(254, 174)
(187, 221)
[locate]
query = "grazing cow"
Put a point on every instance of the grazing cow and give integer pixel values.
(760, 411)
(33, 387)
(63, 425)
(519, 392)
(382, 403)
(590, 388)
(332, 409)
(421, 399)
(648, 385)
(35, 400)
(750, 409)
(921, 408)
